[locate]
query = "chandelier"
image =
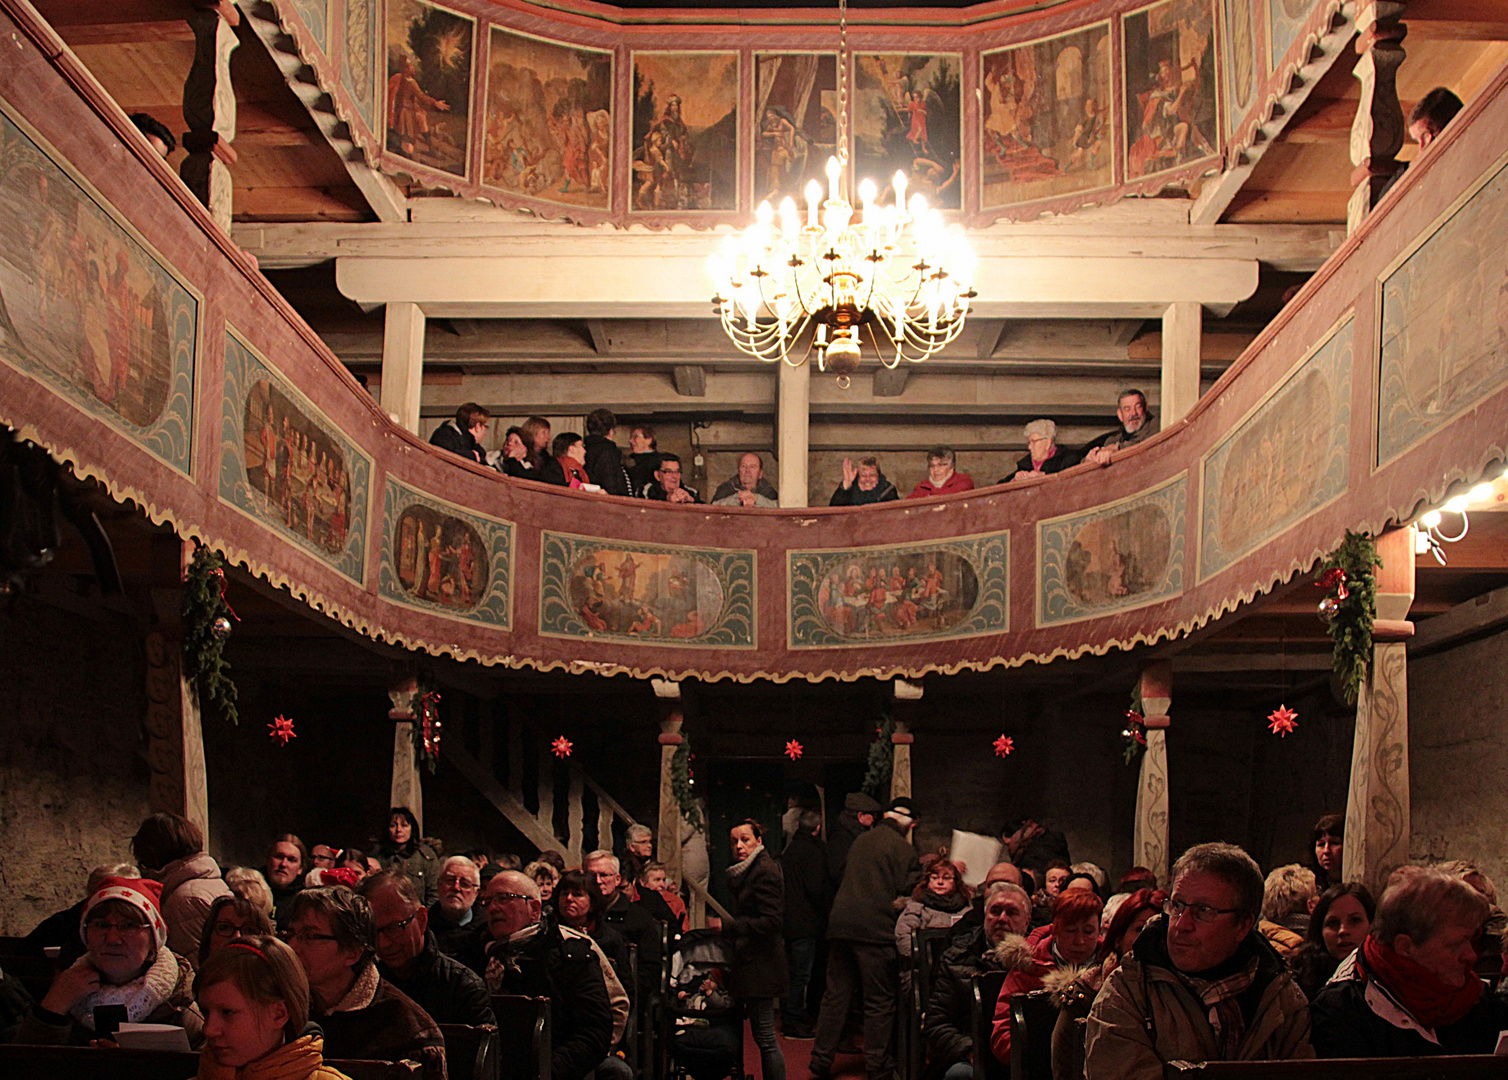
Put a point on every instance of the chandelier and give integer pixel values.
(895, 269)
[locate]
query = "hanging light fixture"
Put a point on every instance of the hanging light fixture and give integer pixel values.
(897, 270)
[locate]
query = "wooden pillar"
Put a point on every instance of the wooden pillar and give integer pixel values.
(793, 431)
(1150, 840)
(1377, 804)
(1182, 328)
(405, 789)
(1378, 130)
(668, 834)
(906, 697)
(209, 108)
(403, 363)
(179, 782)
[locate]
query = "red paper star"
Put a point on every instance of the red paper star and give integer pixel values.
(793, 749)
(1282, 720)
(561, 746)
(281, 729)
(1004, 745)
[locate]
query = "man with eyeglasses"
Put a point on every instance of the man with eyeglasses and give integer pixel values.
(1200, 984)
(409, 957)
(455, 916)
(633, 920)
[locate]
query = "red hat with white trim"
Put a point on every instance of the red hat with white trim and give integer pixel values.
(143, 894)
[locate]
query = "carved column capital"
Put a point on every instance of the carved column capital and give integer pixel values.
(1377, 132)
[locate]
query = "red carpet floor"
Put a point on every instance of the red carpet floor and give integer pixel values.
(798, 1053)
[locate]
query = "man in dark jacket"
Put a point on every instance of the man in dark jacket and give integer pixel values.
(644, 458)
(863, 484)
(604, 461)
(409, 957)
(748, 484)
(808, 898)
(454, 917)
(1137, 425)
(860, 812)
(1410, 990)
(882, 865)
(465, 433)
(632, 920)
(529, 956)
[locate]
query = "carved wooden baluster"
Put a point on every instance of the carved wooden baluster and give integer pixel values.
(209, 107)
(1378, 130)
(1149, 841)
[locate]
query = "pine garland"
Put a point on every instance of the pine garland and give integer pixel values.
(203, 652)
(423, 689)
(881, 761)
(1351, 629)
(680, 784)
(1134, 734)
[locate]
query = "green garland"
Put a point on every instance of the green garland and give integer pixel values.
(881, 761)
(422, 755)
(1351, 629)
(680, 784)
(203, 652)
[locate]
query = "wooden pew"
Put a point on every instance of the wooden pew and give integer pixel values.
(472, 1053)
(91, 1063)
(1033, 1017)
(927, 947)
(523, 1029)
(1449, 1067)
(986, 989)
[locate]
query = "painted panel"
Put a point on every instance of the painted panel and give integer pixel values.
(440, 558)
(795, 123)
(1118, 557)
(899, 593)
(357, 69)
(285, 465)
(651, 594)
(1046, 118)
(1171, 105)
(907, 116)
(1445, 321)
(1286, 459)
(316, 16)
(1240, 62)
(86, 306)
(429, 69)
(549, 130)
(1285, 18)
(685, 131)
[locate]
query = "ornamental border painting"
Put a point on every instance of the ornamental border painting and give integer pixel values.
(1171, 93)
(315, 15)
(431, 57)
(1239, 40)
(1116, 557)
(899, 594)
(685, 131)
(1442, 318)
(444, 560)
(1038, 137)
(316, 492)
(549, 120)
(88, 307)
(358, 65)
(598, 589)
(1285, 21)
(1288, 457)
(794, 124)
(908, 116)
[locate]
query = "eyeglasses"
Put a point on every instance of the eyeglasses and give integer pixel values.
(504, 897)
(397, 927)
(1202, 913)
(305, 937)
(228, 929)
(104, 926)
(455, 881)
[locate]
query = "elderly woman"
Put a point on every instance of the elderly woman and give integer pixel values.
(1340, 922)
(230, 918)
(127, 964)
(1287, 896)
(1043, 454)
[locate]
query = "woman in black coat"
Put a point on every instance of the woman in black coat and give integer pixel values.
(759, 974)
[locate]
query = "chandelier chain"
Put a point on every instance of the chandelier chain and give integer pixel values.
(843, 82)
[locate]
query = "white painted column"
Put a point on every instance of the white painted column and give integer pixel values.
(793, 431)
(403, 363)
(405, 789)
(1150, 834)
(1181, 329)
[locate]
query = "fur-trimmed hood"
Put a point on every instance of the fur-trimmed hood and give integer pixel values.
(1013, 954)
(1072, 985)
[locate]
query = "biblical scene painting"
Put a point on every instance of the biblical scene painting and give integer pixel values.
(906, 117)
(685, 154)
(1240, 62)
(439, 558)
(1046, 118)
(1444, 323)
(316, 17)
(899, 593)
(1112, 558)
(1285, 19)
(429, 54)
(795, 123)
(86, 308)
(1286, 459)
(645, 593)
(285, 465)
(1171, 107)
(356, 68)
(549, 121)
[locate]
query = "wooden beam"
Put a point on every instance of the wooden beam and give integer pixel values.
(1480, 615)
(992, 337)
(125, 33)
(690, 380)
(1458, 20)
(602, 342)
(890, 382)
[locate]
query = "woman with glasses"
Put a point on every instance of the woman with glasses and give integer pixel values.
(229, 918)
(128, 972)
(940, 899)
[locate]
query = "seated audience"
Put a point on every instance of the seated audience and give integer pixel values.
(546, 877)
(632, 920)
(580, 910)
(517, 460)
(356, 859)
(748, 488)
(1095, 874)
(947, 1023)
(863, 484)
(1074, 939)
(1032, 846)
(941, 477)
(402, 848)
(170, 849)
(1287, 896)
(665, 483)
(638, 849)
(604, 461)
(127, 962)
(1341, 920)
(1137, 878)
(255, 1000)
(409, 957)
(1326, 846)
(1053, 879)
(287, 859)
(463, 435)
(1428, 118)
(1490, 948)
(60, 930)
(566, 466)
(1137, 425)
(536, 431)
(973, 918)
(1043, 454)
(1200, 984)
(229, 919)
(530, 955)
(644, 458)
(1410, 990)
(250, 886)
(453, 917)
(161, 137)
(939, 900)
(363, 1015)
(323, 856)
